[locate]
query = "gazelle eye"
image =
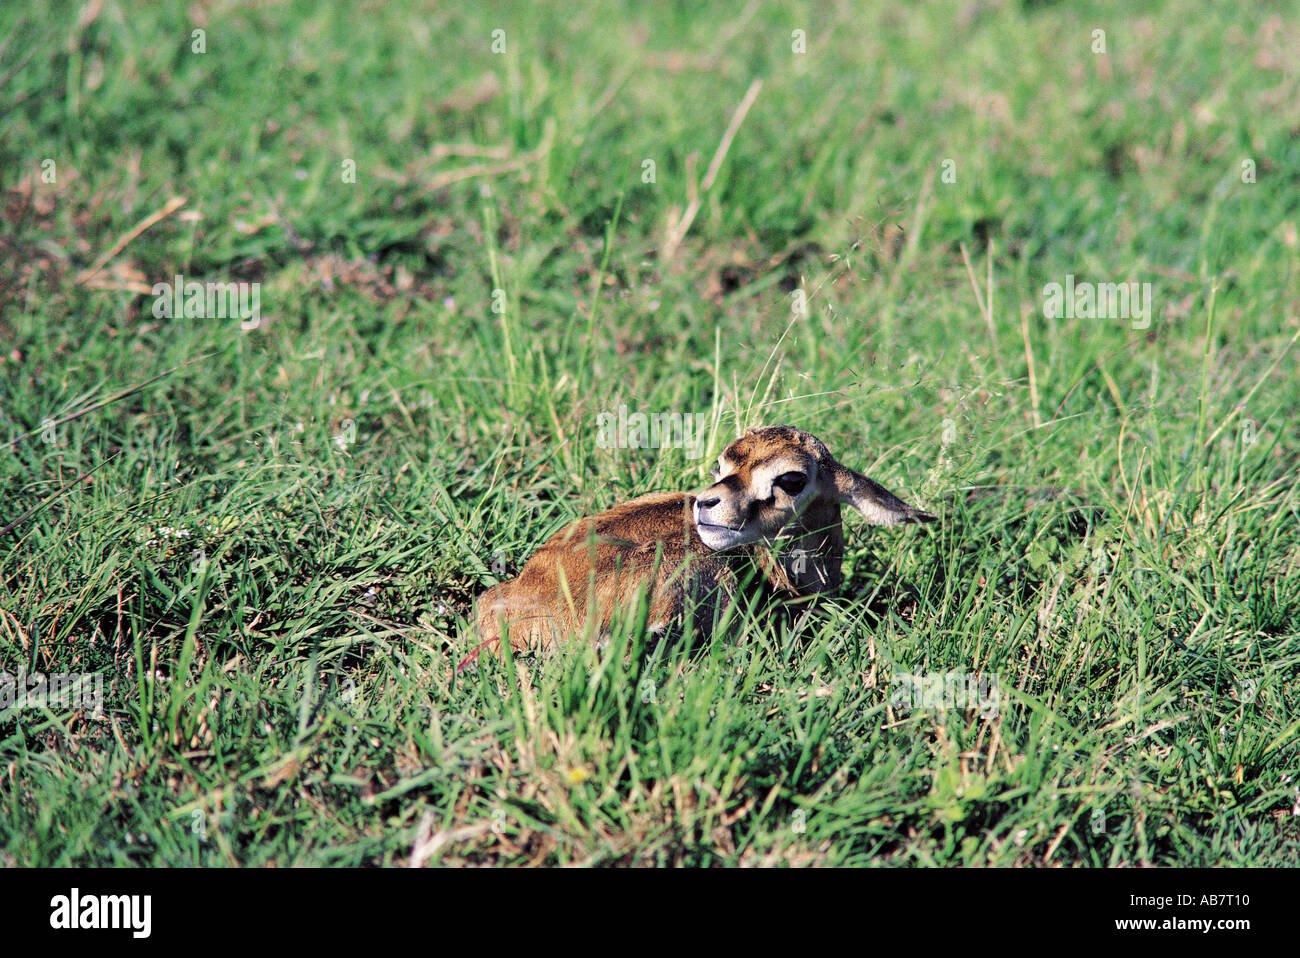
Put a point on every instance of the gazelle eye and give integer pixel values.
(791, 483)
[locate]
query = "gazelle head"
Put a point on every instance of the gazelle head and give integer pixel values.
(781, 488)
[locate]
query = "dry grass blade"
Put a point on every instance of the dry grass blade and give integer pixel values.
(175, 203)
(106, 402)
(677, 232)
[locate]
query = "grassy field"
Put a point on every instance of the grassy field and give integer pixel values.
(264, 531)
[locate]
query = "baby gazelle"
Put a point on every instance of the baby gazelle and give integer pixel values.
(775, 504)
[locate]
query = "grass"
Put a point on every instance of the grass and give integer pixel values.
(267, 541)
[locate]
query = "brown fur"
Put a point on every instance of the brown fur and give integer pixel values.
(576, 580)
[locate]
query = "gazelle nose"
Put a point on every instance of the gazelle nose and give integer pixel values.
(709, 503)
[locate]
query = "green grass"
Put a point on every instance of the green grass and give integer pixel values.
(272, 559)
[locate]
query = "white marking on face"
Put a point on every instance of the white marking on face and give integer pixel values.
(769, 479)
(789, 482)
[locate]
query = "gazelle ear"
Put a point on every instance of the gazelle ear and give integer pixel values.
(877, 504)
